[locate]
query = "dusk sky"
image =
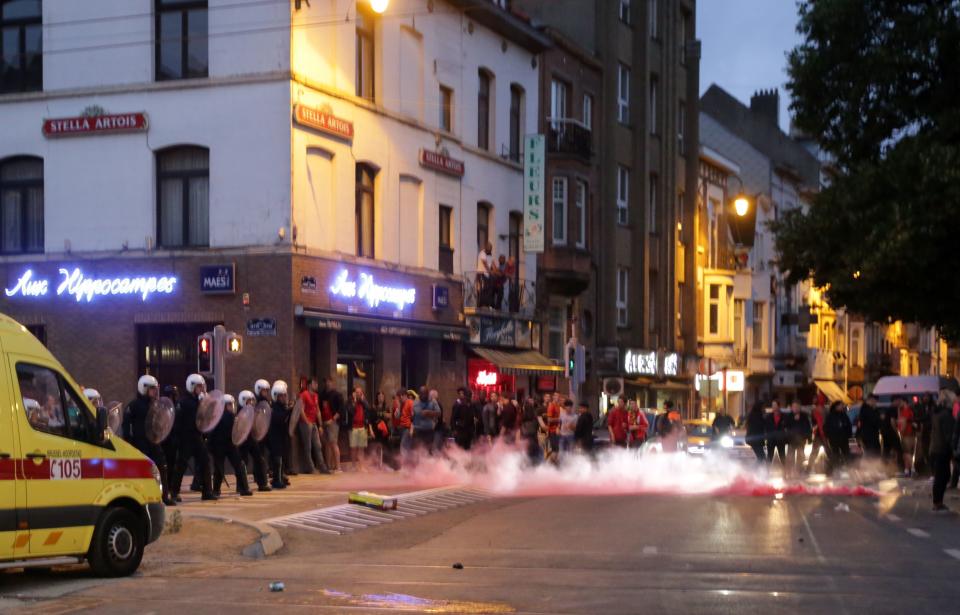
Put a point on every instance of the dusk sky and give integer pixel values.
(744, 46)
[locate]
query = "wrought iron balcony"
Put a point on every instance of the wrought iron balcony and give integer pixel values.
(499, 293)
(569, 136)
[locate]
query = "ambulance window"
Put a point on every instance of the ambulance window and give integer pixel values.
(41, 398)
(80, 422)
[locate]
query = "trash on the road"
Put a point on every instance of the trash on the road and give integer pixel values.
(277, 586)
(841, 507)
(458, 566)
(800, 539)
(372, 500)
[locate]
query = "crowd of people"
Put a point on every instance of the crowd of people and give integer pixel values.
(908, 440)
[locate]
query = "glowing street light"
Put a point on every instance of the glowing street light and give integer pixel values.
(741, 205)
(379, 6)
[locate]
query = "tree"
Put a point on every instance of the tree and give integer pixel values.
(877, 82)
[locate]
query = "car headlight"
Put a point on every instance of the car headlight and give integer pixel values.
(156, 474)
(726, 442)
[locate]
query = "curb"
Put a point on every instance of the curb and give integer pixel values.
(268, 543)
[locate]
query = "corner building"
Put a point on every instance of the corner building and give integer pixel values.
(310, 175)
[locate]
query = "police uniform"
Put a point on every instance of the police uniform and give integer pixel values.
(253, 449)
(277, 439)
(221, 447)
(134, 429)
(191, 446)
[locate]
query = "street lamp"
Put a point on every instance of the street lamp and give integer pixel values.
(379, 6)
(741, 205)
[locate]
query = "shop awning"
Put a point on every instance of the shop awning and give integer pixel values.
(525, 362)
(399, 328)
(832, 391)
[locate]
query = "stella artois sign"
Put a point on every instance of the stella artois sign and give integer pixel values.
(323, 120)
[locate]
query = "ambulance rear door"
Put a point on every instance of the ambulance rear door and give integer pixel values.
(13, 543)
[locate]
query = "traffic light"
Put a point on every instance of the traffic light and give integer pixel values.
(572, 362)
(234, 344)
(205, 353)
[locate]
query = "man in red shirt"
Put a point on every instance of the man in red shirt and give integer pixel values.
(908, 436)
(638, 424)
(406, 422)
(310, 431)
(553, 421)
(618, 424)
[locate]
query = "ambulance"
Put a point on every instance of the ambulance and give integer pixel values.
(69, 492)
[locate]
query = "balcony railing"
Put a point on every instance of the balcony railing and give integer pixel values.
(569, 136)
(499, 294)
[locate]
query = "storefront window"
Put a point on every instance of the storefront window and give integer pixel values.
(169, 352)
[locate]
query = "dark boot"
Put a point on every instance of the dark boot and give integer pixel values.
(243, 487)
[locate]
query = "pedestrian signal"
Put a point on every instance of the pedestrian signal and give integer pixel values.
(205, 354)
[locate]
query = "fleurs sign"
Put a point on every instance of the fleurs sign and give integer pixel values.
(323, 121)
(107, 123)
(367, 290)
(534, 171)
(74, 283)
(442, 163)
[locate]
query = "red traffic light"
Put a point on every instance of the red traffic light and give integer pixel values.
(205, 354)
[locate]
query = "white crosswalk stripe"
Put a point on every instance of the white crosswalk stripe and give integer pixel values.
(346, 518)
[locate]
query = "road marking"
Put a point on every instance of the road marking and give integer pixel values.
(649, 550)
(954, 553)
(918, 532)
(893, 518)
(345, 518)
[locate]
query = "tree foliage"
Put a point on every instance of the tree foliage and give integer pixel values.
(877, 82)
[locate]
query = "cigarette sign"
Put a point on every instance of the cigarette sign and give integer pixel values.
(533, 182)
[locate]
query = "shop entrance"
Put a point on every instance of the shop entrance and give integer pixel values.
(168, 352)
(355, 364)
(414, 362)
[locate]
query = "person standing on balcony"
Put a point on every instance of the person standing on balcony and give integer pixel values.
(499, 274)
(509, 273)
(485, 269)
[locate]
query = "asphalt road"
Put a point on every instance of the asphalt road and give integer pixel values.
(617, 554)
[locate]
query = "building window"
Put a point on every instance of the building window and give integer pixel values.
(446, 109)
(559, 95)
(514, 233)
(623, 94)
(681, 127)
(713, 310)
(366, 49)
(181, 35)
(483, 225)
(21, 46)
(623, 194)
(622, 282)
(738, 325)
(625, 11)
(654, 87)
(652, 203)
(446, 239)
(365, 210)
(587, 116)
(183, 195)
(21, 205)
(559, 200)
(758, 331)
(483, 109)
(580, 203)
(653, 18)
(516, 121)
(556, 332)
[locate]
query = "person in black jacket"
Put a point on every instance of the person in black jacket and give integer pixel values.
(868, 428)
(756, 431)
(776, 434)
(222, 448)
(463, 420)
(941, 437)
(278, 435)
(583, 433)
(251, 448)
(799, 432)
(191, 440)
(134, 431)
(838, 430)
(171, 446)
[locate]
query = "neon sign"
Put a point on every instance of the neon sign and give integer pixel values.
(368, 291)
(671, 364)
(75, 283)
(642, 362)
(486, 379)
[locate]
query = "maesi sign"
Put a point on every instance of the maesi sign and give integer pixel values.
(74, 283)
(365, 288)
(218, 279)
(94, 124)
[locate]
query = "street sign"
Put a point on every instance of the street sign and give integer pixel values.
(218, 279)
(534, 171)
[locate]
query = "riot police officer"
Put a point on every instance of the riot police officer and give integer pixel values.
(171, 445)
(251, 448)
(93, 396)
(134, 429)
(191, 440)
(278, 435)
(222, 447)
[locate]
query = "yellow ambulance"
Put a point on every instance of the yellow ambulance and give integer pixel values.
(68, 491)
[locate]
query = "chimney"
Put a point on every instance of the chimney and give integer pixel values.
(766, 104)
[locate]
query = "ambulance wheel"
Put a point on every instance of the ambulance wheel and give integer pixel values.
(118, 543)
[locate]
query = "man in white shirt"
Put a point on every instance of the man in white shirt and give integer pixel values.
(485, 268)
